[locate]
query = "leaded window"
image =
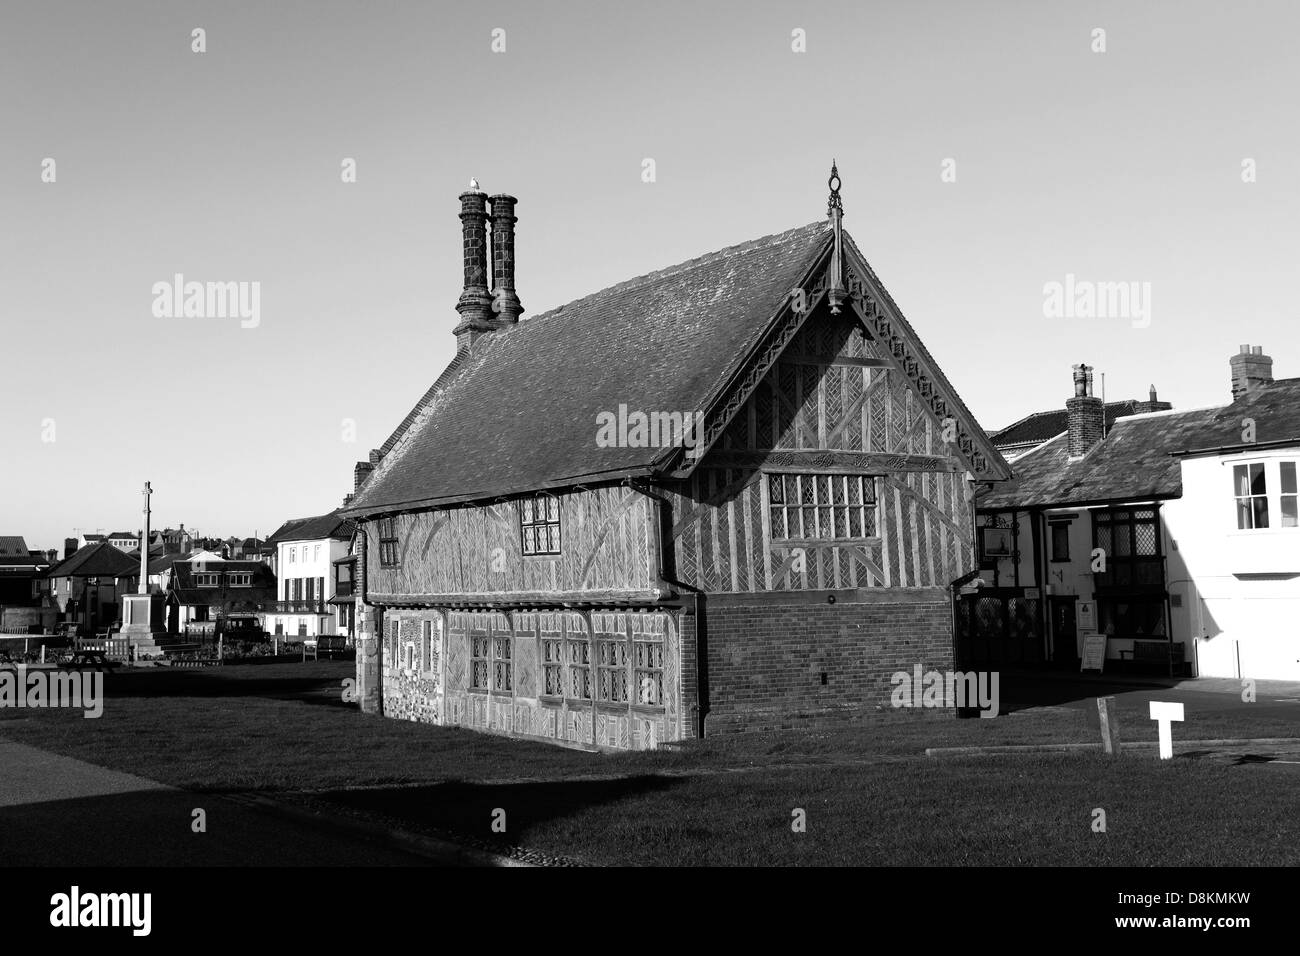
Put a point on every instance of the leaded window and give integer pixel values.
(502, 673)
(612, 670)
(552, 667)
(579, 669)
(821, 507)
(539, 525)
(479, 652)
(648, 670)
(387, 542)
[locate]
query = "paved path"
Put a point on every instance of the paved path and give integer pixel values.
(58, 811)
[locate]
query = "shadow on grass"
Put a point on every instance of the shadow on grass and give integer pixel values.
(313, 683)
(469, 809)
(154, 828)
(1022, 690)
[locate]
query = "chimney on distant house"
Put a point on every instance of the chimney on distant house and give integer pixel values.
(475, 303)
(52, 556)
(1251, 369)
(1152, 404)
(69, 547)
(505, 303)
(1085, 414)
(360, 472)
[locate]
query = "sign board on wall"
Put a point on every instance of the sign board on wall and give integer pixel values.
(1094, 652)
(1087, 611)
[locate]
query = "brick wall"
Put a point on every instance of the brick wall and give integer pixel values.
(766, 661)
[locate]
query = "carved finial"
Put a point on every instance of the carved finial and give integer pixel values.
(836, 293)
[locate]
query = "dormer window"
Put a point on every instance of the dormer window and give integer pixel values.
(539, 525)
(241, 579)
(206, 580)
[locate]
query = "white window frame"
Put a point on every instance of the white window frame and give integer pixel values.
(1273, 495)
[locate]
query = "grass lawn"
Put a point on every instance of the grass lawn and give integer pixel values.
(870, 796)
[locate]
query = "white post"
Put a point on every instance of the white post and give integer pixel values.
(1164, 713)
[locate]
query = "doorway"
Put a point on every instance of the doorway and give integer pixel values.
(1065, 647)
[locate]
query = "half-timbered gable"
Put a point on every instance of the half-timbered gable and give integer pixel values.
(729, 495)
(832, 475)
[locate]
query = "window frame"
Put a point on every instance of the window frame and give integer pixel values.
(531, 544)
(1277, 474)
(1053, 528)
(847, 486)
(1248, 500)
(388, 542)
(499, 660)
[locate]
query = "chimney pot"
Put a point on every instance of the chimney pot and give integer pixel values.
(1251, 369)
(1085, 415)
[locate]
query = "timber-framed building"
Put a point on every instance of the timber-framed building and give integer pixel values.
(734, 494)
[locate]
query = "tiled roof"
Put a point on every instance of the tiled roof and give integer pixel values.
(1040, 426)
(1275, 410)
(262, 588)
(160, 563)
(1137, 459)
(22, 561)
(518, 411)
(332, 525)
(95, 560)
(12, 546)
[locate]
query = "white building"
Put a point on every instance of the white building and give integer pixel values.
(305, 552)
(1176, 535)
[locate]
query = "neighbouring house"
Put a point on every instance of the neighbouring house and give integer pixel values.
(22, 586)
(124, 540)
(158, 572)
(734, 494)
(1175, 535)
(175, 540)
(305, 551)
(85, 586)
(1033, 430)
(344, 599)
(207, 595)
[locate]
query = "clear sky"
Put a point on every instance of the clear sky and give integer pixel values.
(1123, 165)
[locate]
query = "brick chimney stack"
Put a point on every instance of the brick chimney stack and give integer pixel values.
(1085, 414)
(363, 470)
(475, 303)
(505, 303)
(1152, 404)
(1251, 369)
